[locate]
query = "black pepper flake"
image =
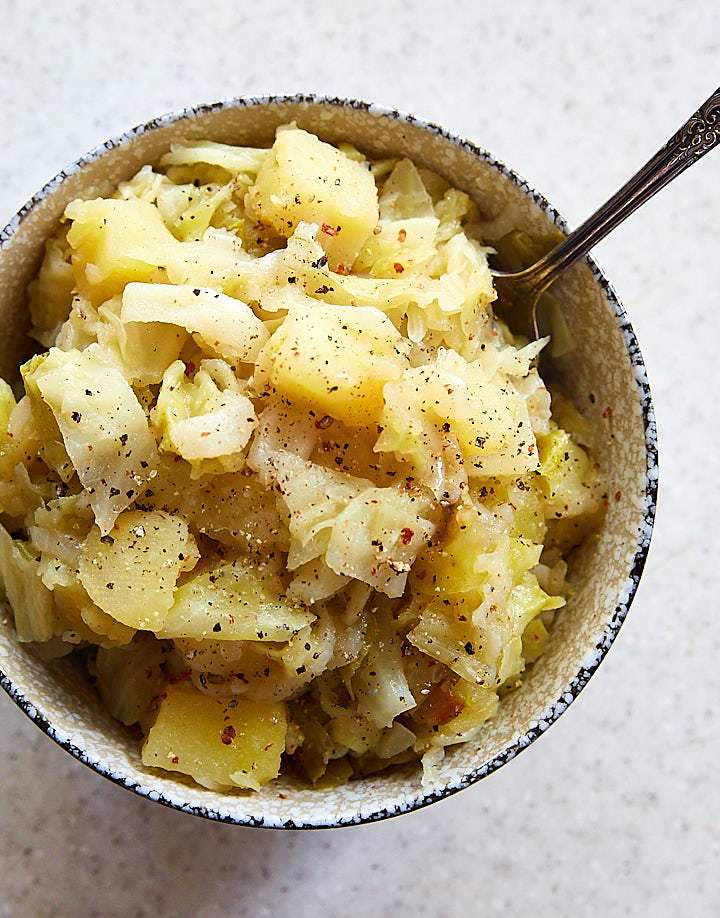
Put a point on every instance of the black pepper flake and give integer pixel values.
(300, 670)
(217, 627)
(110, 586)
(107, 540)
(470, 649)
(114, 492)
(76, 416)
(292, 280)
(323, 289)
(196, 292)
(88, 392)
(123, 439)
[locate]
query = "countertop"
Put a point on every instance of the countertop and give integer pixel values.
(616, 810)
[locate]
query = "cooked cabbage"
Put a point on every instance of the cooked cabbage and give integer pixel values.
(281, 476)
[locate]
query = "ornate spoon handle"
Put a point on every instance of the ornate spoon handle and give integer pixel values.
(699, 135)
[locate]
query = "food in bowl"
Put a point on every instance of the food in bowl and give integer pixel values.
(282, 478)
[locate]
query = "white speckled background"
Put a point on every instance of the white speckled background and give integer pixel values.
(616, 810)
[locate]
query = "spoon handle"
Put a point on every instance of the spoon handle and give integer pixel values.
(699, 135)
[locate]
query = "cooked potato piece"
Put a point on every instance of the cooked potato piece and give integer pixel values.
(336, 358)
(115, 242)
(131, 572)
(304, 179)
(234, 602)
(218, 741)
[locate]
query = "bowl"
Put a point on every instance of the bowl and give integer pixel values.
(603, 373)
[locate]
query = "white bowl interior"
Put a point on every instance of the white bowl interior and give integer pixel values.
(603, 372)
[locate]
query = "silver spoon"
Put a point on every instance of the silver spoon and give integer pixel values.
(519, 292)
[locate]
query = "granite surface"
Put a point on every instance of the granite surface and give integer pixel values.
(616, 810)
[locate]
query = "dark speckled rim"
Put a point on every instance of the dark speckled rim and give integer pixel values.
(580, 680)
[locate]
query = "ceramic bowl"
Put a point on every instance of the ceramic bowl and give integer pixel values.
(604, 375)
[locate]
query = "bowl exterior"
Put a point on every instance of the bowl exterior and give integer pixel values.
(604, 374)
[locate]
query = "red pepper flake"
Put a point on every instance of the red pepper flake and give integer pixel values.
(190, 366)
(185, 674)
(398, 268)
(407, 535)
(329, 230)
(342, 269)
(175, 759)
(606, 413)
(205, 433)
(618, 495)
(148, 672)
(228, 735)
(421, 575)
(402, 235)
(282, 796)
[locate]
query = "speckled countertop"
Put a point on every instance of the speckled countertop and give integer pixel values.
(616, 811)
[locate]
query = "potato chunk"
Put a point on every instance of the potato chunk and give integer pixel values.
(234, 602)
(337, 358)
(218, 741)
(115, 242)
(131, 573)
(304, 179)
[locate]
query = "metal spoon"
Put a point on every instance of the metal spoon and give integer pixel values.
(519, 292)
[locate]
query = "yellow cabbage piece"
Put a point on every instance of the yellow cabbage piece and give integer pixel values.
(398, 246)
(225, 326)
(455, 402)
(377, 536)
(233, 508)
(206, 420)
(570, 483)
(31, 601)
(51, 291)
(232, 159)
(129, 678)
(103, 426)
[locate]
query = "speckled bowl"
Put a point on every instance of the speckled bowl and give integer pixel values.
(605, 375)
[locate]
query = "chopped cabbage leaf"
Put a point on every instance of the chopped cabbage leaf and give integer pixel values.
(103, 426)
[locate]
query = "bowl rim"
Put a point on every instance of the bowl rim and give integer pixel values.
(581, 678)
